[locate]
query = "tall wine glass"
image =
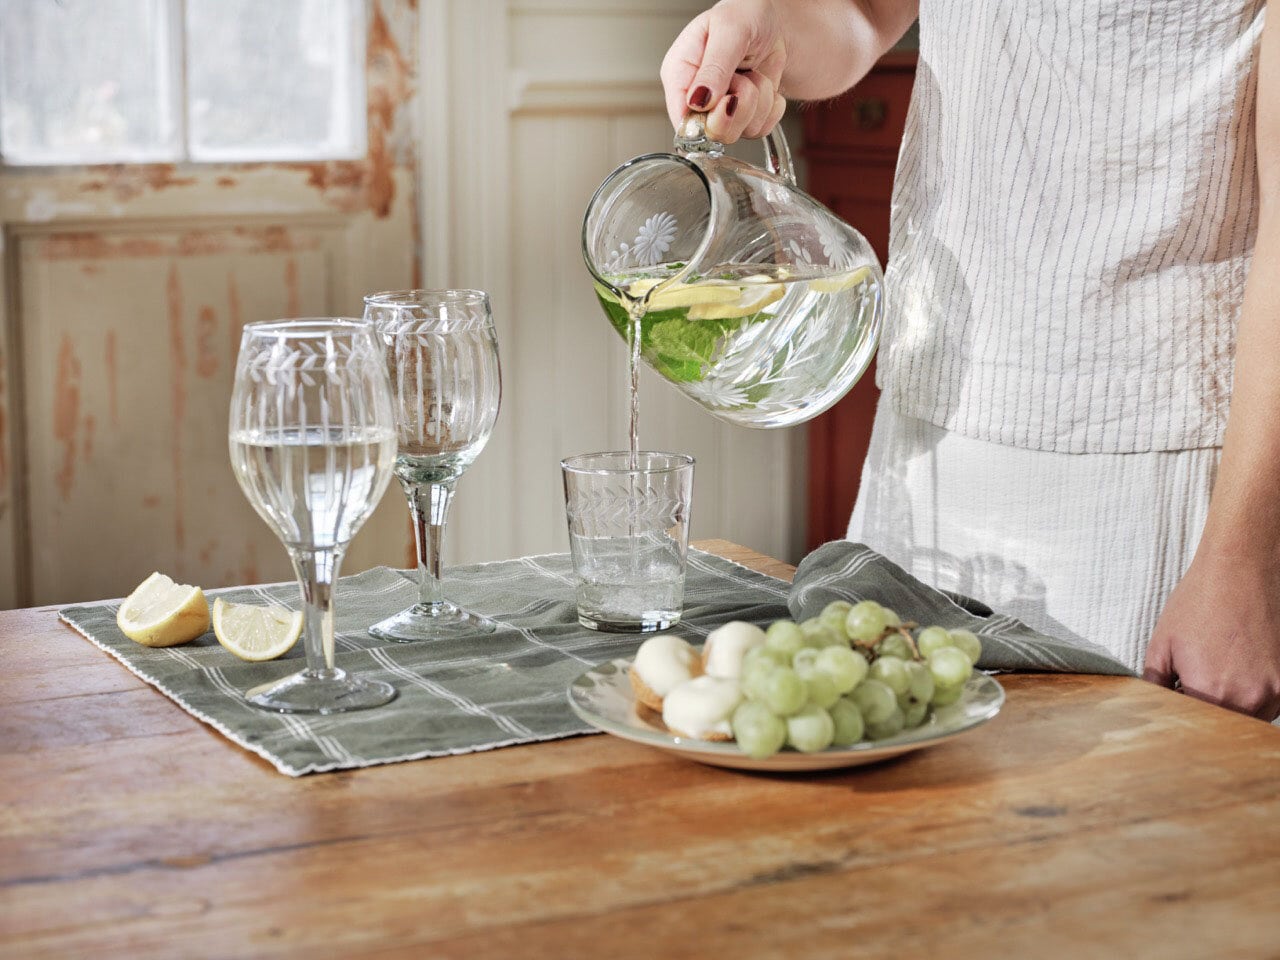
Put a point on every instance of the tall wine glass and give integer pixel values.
(442, 354)
(312, 439)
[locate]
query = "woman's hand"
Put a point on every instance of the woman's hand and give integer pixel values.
(728, 63)
(736, 60)
(1219, 635)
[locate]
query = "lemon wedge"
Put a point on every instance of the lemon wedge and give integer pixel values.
(161, 613)
(840, 281)
(256, 633)
(752, 298)
(683, 294)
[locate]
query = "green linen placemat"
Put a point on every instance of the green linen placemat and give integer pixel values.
(455, 696)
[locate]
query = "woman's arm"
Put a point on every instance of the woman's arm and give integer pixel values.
(1219, 634)
(741, 58)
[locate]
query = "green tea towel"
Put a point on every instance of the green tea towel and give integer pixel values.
(842, 570)
(455, 696)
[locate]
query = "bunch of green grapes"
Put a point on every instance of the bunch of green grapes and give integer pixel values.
(854, 672)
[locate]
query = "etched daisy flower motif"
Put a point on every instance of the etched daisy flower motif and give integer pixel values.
(801, 254)
(728, 396)
(654, 239)
(833, 248)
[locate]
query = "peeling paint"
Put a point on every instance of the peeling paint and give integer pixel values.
(127, 181)
(113, 378)
(177, 400)
(66, 413)
(235, 321)
(293, 301)
(85, 246)
(206, 353)
(90, 426)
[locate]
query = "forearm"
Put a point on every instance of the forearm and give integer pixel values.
(831, 44)
(1244, 514)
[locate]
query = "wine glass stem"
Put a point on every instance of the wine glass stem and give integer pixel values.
(317, 570)
(429, 506)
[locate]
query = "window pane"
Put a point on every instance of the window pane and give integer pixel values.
(279, 80)
(85, 81)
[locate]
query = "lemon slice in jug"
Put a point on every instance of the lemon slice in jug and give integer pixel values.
(839, 281)
(752, 297)
(680, 295)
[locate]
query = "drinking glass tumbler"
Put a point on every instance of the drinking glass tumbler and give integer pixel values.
(629, 537)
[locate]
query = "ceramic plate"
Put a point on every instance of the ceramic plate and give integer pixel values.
(602, 697)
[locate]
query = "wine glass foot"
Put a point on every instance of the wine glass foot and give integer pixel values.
(325, 691)
(440, 621)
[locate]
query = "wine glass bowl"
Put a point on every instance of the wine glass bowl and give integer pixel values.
(311, 439)
(441, 353)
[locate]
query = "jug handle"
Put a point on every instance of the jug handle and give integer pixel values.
(691, 137)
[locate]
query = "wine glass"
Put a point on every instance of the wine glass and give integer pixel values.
(312, 439)
(442, 354)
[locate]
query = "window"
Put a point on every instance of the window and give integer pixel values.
(133, 81)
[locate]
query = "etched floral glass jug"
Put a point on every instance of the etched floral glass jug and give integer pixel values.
(749, 295)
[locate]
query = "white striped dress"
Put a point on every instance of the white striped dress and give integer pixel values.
(1072, 226)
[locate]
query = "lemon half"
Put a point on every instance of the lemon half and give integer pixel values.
(161, 613)
(256, 633)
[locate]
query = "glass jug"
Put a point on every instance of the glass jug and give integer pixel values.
(750, 296)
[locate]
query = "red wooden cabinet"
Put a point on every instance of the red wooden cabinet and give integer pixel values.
(851, 150)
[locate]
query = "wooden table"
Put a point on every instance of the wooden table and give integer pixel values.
(1095, 817)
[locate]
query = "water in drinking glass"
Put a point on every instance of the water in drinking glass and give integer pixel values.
(312, 485)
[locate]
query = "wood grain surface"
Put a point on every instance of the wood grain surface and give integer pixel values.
(1095, 817)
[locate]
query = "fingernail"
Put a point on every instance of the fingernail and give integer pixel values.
(731, 106)
(699, 98)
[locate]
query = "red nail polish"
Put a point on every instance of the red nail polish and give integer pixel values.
(699, 98)
(730, 106)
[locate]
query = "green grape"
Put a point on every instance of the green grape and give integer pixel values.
(834, 614)
(950, 667)
(930, 639)
(810, 730)
(818, 633)
(892, 672)
(822, 689)
(759, 733)
(846, 667)
(848, 723)
(874, 700)
(967, 641)
(767, 655)
(921, 685)
(784, 637)
(895, 645)
(865, 622)
(753, 676)
(805, 662)
(890, 726)
(891, 619)
(914, 715)
(783, 692)
(944, 697)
